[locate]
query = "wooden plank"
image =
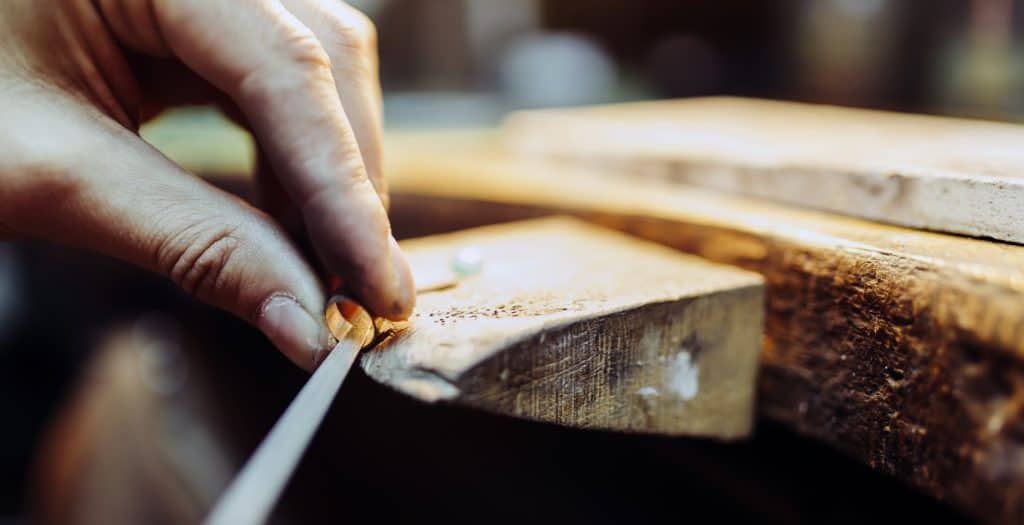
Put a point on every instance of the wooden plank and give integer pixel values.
(940, 174)
(902, 348)
(580, 326)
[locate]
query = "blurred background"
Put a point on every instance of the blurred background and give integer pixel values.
(452, 62)
(465, 63)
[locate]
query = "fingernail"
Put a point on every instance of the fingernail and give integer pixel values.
(294, 331)
(405, 286)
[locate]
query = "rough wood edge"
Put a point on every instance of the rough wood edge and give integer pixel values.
(618, 364)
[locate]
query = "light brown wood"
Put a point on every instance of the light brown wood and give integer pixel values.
(902, 348)
(581, 326)
(942, 174)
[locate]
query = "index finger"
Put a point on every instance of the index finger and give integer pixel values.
(275, 69)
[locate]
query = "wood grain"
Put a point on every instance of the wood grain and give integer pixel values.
(583, 327)
(902, 348)
(942, 174)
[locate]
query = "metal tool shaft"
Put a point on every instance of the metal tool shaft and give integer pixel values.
(251, 496)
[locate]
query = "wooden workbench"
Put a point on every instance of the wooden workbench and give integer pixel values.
(902, 348)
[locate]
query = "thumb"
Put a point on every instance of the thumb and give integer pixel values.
(85, 181)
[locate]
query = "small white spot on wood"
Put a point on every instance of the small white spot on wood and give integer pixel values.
(683, 376)
(647, 391)
(468, 261)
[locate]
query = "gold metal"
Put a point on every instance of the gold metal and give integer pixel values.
(347, 319)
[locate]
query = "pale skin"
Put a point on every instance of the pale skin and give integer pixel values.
(78, 77)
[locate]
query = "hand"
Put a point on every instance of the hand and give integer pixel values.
(78, 76)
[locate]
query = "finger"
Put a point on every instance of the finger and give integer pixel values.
(132, 22)
(350, 39)
(96, 185)
(271, 198)
(104, 74)
(270, 194)
(276, 70)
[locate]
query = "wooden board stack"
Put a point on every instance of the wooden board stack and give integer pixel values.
(901, 348)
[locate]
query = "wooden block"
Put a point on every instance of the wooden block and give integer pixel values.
(580, 326)
(934, 173)
(901, 348)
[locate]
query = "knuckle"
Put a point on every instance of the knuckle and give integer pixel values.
(302, 48)
(351, 173)
(370, 34)
(351, 29)
(365, 28)
(300, 62)
(351, 164)
(198, 259)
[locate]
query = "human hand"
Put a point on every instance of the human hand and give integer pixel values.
(78, 76)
